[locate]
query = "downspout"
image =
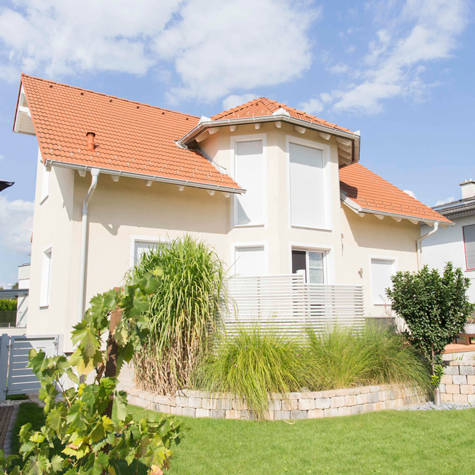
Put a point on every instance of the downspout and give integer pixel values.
(419, 244)
(84, 244)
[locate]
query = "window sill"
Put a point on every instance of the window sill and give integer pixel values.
(382, 304)
(44, 307)
(245, 226)
(44, 199)
(293, 226)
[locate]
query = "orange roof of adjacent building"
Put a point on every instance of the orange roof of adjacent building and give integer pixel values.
(372, 192)
(129, 136)
(266, 107)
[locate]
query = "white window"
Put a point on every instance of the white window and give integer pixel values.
(45, 184)
(46, 277)
(143, 246)
(307, 187)
(249, 174)
(311, 264)
(250, 261)
(381, 272)
(469, 242)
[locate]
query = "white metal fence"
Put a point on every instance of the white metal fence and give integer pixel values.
(290, 305)
(15, 377)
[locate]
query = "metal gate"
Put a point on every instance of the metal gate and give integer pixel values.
(15, 376)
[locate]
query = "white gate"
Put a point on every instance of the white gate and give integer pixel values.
(15, 377)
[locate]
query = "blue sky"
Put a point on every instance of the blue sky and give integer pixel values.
(398, 71)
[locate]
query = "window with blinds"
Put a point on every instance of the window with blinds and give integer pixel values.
(469, 241)
(46, 278)
(381, 272)
(249, 173)
(250, 261)
(307, 187)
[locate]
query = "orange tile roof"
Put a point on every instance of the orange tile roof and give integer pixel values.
(130, 137)
(265, 107)
(372, 192)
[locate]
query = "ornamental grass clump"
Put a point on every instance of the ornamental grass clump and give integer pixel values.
(253, 364)
(343, 357)
(183, 313)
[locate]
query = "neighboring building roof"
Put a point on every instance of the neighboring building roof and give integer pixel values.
(265, 107)
(372, 194)
(5, 184)
(457, 209)
(129, 136)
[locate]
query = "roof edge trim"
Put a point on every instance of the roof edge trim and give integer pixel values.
(140, 176)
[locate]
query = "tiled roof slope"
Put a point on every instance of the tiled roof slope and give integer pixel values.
(265, 107)
(130, 137)
(374, 193)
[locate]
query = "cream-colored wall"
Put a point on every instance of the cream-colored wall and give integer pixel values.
(368, 237)
(119, 211)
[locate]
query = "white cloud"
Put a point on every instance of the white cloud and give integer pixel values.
(1, 157)
(16, 225)
(233, 101)
(215, 47)
(410, 193)
(447, 200)
(412, 35)
(312, 106)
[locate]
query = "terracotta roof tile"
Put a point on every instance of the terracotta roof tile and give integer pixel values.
(372, 192)
(130, 136)
(265, 107)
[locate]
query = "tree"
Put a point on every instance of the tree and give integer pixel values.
(435, 308)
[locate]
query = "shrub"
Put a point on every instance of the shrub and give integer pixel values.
(253, 364)
(8, 305)
(183, 313)
(344, 357)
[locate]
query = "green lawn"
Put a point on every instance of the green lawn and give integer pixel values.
(389, 442)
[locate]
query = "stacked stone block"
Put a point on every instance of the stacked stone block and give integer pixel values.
(458, 382)
(303, 405)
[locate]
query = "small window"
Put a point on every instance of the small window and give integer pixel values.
(311, 264)
(142, 247)
(469, 241)
(250, 261)
(45, 184)
(249, 173)
(381, 272)
(307, 187)
(46, 278)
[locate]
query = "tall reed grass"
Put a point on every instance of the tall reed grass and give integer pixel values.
(184, 313)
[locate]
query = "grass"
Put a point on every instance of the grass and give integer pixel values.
(386, 443)
(27, 412)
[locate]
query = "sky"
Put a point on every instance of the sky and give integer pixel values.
(397, 70)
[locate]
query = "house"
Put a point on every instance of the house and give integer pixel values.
(456, 243)
(274, 190)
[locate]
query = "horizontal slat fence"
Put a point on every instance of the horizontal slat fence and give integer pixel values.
(290, 305)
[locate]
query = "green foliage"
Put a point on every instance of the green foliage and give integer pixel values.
(434, 307)
(183, 312)
(343, 357)
(254, 364)
(91, 443)
(8, 305)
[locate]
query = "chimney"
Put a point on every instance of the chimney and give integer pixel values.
(90, 141)
(468, 189)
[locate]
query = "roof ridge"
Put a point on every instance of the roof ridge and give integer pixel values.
(239, 107)
(105, 95)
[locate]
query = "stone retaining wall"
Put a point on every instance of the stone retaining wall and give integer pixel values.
(458, 382)
(304, 405)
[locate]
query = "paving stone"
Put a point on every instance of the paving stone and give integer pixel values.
(195, 402)
(322, 403)
(350, 400)
(338, 401)
(202, 412)
(306, 404)
(467, 370)
(315, 414)
(467, 389)
(451, 370)
(282, 415)
(373, 397)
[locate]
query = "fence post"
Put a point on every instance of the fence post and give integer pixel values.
(4, 341)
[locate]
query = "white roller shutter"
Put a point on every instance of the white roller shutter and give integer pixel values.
(250, 261)
(469, 240)
(249, 173)
(381, 272)
(307, 187)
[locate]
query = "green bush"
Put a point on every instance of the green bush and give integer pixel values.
(183, 312)
(8, 305)
(253, 364)
(343, 357)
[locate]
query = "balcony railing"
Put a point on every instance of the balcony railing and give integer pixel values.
(290, 305)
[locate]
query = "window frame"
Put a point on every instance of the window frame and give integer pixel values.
(236, 245)
(394, 270)
(234, 140)
(465, 248)
(150, 239)
(46, 276)
(328, 259)
(327, 179)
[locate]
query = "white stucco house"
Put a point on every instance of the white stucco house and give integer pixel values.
(277, 192)
(455, 243)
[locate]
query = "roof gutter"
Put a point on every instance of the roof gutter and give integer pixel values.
(272, 118)
(140, 176)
